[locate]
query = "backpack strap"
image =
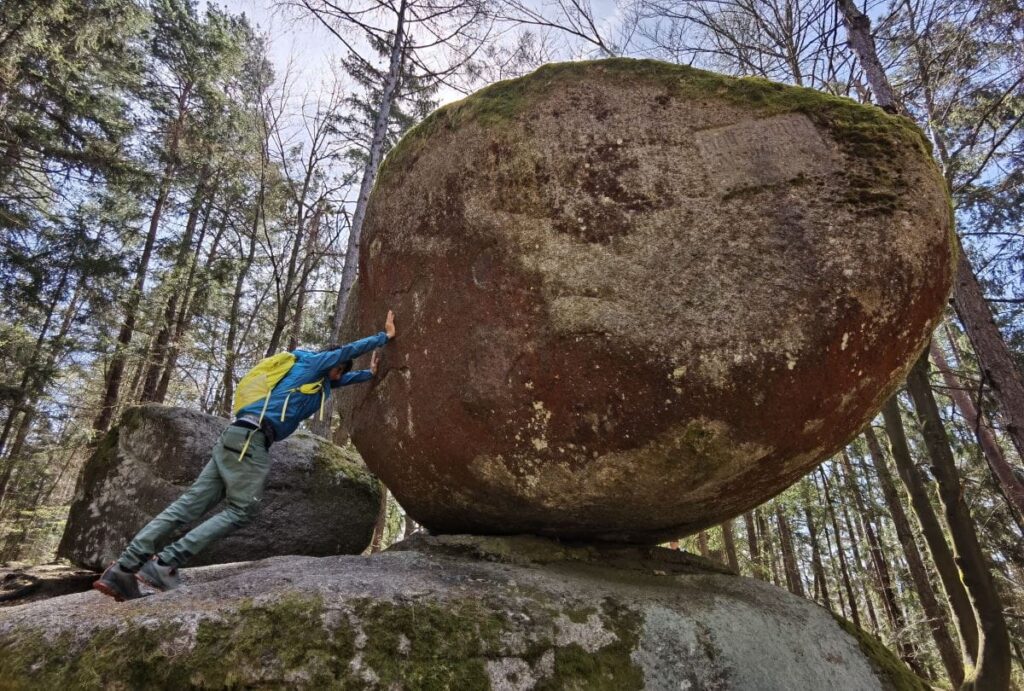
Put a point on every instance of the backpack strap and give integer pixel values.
(248, 437)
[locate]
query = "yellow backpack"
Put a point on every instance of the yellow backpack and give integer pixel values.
(259, 382)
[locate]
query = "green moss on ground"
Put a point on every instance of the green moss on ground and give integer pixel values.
(610, 668)
(863, 132)
(428, 645)
(886, 662)
(259, 641)
(297, 641)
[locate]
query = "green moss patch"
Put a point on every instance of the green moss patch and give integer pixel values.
(264, 642)
(884, 660)
(867, 133)
(347, 462)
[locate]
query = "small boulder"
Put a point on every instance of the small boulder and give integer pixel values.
(319, 498)
(453, 612)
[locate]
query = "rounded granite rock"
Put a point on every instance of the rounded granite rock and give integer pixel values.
(319, 498)
(636, 299)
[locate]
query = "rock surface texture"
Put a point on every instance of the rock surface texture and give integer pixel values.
(319, 499)
(636, 299)
(454, 612)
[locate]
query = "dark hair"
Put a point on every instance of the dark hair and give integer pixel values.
(345, 366)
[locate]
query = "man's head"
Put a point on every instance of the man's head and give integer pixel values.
(336, 373)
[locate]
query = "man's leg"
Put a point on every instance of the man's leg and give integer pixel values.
(243, 483)
(205, 492)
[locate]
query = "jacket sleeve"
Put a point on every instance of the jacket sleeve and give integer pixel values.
(355, 377)
(321, 362)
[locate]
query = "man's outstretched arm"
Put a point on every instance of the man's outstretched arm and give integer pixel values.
(321, 362)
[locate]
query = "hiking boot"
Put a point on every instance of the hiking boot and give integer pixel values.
(118, 583)
(156, 575)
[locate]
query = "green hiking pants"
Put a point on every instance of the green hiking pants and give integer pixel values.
(240, 481)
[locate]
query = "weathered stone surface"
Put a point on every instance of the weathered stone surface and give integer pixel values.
(636, 299)
(454, 612)
(319, 498)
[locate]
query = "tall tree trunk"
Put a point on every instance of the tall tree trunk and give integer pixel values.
(380, 129)
(937, 620)
(702, 544)
(1012, 488)
(756, 561)
(188, 308)
(157, 354)
(29, 373)
(841, 552)
(729, 543)
(993, 668)
(821, 584)
(858, 29)
(934, 537)
(881, 567)
(231, 347)
(853, 530)
(793, 580)
(115, 372)
(769, 548)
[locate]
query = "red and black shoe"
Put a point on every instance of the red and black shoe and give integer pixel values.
(118, 583)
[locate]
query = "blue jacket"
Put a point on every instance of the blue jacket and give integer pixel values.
(310, 368)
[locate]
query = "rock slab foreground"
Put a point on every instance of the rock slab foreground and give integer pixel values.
(452, 612)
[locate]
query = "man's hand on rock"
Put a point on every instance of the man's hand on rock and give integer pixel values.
(389, 325)
(374, 360)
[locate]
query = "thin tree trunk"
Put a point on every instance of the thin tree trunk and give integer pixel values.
(821, 585)
(729, 543)
(937, 619)
(376, 543)
(756, 561)
(380, 128)
(702, 544)
(768, 547)
(858, 29)
(1012, 488)
(949, 575)
(187, 311)
(881, 567)
(993, 668)
(853, 530)
(843, 569)
(115, 373)
(158, 352)
(793, 580)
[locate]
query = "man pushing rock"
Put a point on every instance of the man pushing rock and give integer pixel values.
(272, 399)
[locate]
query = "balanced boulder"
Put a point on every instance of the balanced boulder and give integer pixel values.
(455, 612)
(319, 498)
(636, 299)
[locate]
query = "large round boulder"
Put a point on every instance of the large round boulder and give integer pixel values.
(636, 299)
(319, 498)
(455, 612)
